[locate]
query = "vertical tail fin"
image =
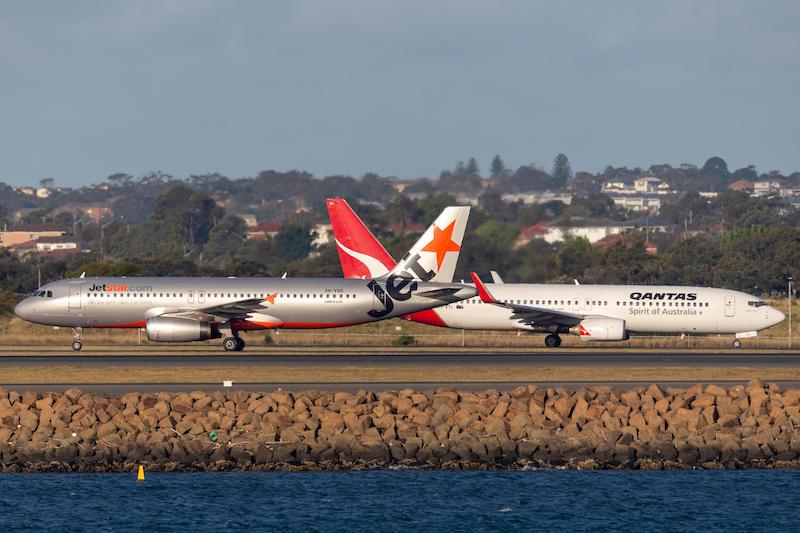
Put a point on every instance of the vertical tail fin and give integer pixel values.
(435, 254)
(360, 253)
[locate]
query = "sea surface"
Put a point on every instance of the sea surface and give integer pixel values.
(402, 500)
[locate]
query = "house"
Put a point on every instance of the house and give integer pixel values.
(28, 232)
(42, 192)
(650, 185)
(527, 234)
(742, 185)
(321, 234)
(552, 234)
(249, 220)
(766, 187)
(27, 191)
(535, 197)
(63, 242)
(617, 186)
(263, 231)
(48, 246)
(638, 204)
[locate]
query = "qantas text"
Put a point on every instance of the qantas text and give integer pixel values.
(663, 296)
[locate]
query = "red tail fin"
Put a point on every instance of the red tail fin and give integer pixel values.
(360, 253)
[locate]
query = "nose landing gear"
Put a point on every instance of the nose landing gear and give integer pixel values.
(77, 344)
(737, 343)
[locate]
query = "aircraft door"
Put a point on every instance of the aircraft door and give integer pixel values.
(730, 306)
(75, 290)
(191, 296)
(201, 297)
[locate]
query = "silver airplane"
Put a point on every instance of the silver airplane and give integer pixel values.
(196, 309)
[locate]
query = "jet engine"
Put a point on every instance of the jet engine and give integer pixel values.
(601, 329)
(171, 329)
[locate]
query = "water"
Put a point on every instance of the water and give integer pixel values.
(405, 500)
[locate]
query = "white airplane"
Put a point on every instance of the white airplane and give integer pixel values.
(594, 312)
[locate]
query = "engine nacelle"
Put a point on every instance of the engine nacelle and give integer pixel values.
(170, 329)
(601, 329)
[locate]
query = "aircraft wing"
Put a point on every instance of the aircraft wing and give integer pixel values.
(231, 311)
(527, 314)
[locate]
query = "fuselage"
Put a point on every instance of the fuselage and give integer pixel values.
(118, 302)
(644, 308)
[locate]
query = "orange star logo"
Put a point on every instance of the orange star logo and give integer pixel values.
(271, 298)
(442, 243)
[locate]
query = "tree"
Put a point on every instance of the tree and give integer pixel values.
(498, 168)
(575, 256)
(561, 172)
(472, 168)
(294, 240)
(225, 240)
(402, 211)
(47, 183)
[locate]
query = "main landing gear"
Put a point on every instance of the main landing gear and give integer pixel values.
(552, 341)
(737, 343)
(233, 344)
(77, 344)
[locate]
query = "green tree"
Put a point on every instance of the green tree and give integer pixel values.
(225, 240)
(561, 172)
(472, 168)
(294, 240)
(498, 168)
(402, 211)
(503, 235)
(575, 256)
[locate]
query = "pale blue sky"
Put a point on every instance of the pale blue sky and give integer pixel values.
(402, 88)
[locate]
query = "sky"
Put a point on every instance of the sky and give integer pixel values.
(404, 88)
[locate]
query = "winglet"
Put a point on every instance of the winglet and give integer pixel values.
(483, 292)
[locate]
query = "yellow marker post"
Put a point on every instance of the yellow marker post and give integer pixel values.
(140, 476)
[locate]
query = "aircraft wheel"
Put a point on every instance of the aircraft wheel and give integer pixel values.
(77, 345)
(552, 341)
(240, 344)
(737, 343)
(230, 344)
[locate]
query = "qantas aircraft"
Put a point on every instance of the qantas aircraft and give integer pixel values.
(594, 312)
(196, 309)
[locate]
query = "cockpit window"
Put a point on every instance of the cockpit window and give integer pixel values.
(42, 294)
(756, 303)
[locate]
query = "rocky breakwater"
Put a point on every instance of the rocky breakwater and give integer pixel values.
(592, 427)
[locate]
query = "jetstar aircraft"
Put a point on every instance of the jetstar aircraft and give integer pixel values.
(196, 309)
(594, 312)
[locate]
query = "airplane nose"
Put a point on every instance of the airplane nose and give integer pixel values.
(775, 316)
(24, 309)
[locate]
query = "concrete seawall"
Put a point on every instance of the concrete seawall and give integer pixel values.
(591, 427)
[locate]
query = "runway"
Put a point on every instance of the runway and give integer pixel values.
(122, 388)
(620, 359)
(116, 371)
